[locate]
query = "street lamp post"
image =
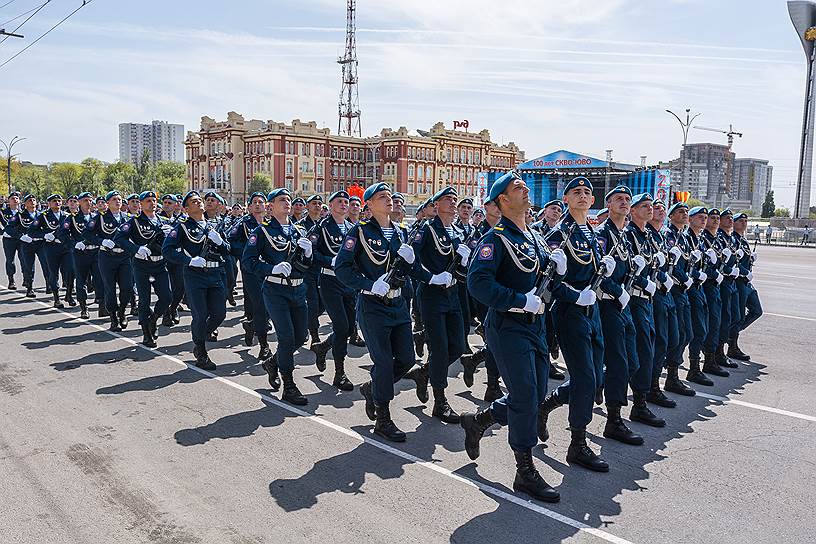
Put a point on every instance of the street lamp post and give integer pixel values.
(9, 156)
(685, 128)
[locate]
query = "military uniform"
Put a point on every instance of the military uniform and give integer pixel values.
(256, 320)
(749, 308)
(31, 249)
(712, 245)
(86, 260)
(11, 245)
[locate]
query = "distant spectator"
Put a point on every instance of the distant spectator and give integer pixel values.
(757, 232)
(768, 233)
(806, 235)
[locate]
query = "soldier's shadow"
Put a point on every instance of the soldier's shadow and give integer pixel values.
(239, 425)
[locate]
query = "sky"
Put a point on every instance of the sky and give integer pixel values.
(581, 75)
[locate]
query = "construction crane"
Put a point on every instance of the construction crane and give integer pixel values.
(730, 133)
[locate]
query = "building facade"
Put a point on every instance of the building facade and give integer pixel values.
(752, 179)
(226, 155)
(164, 141)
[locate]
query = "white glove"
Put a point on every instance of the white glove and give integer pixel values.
(49, 237)
(750, 275)
(143, 252)
(560, 259)
(587, 297)
(80, 246)
(754, 255)
(609, 264)
(712, 255)
(624, 298)
(406, 252)
(443, 278)
(726, 253)
(166, 228)
(651, 287)
(306, 244)
(334, 260)
(26, 238)
(198, 262)
(697, 255)
(108, 243)
(640, 263)
(380, 286)
(282, 269)
(463, 251)
(734, 272)
(719, 279)
(740, 253)
(689, 282)
(533, 304)
(677, 252)
(661, 258)
(703, 276)
(668, 284)
(215, 238)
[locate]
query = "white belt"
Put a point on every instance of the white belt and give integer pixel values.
(88, 248)
(284, 281)
(6, 235)
(212, 264)
(393, 293)
(638, 292)
(518, 311)
(114, 250)
(607, 296)
(327, 272)
(154, 258)
(453, 282)
(55, 241)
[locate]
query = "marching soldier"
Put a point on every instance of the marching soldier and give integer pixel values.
(170, 213)
(57, 255)
(314, 302)
(698, 217)
(298, 208)
(142, 237)
(355, 207)
(503, 276)
(371, 255)
(31, 249)
(714, 250)
(86, 258)
(200, 250)
(279, 252)
(750, 308)
(11, 245)
(728, 289)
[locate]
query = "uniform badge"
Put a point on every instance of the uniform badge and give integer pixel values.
(313, 238)
(91, 224)
(126, 227)
(486, 252)
(66, 225)
(173, 233)
(554, 245)
(36, 222)
(418, 236)
(350, 243)
(252, 240)
(602, 244)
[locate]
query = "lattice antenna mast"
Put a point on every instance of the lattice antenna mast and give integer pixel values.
(348, 122)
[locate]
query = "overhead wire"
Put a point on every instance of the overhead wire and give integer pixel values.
(7, 3)
(23, 14)
(27, 19)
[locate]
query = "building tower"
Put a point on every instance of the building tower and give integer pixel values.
(803, 17)
(348, 122)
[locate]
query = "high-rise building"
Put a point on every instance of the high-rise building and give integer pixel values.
(751, 180)
(164, 141)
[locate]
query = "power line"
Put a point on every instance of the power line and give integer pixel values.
(44, 34)
(7, 3)
(27, 19)
(23, 14)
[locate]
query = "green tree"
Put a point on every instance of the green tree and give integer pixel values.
(768, 206)
(16, 167)
(170, 177)
(67, 177)
(781, 212)
(260, 183)
(144, 174)
(35, 180)
(119, 176)
(692, 202)
(93, 175)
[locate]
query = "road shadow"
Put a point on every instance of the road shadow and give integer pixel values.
(238, 425)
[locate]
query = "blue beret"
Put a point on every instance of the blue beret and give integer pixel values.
(339, 194)
(398, 196)
(479, 211)
(99, 199)
(72, 197)
(275, 193)
(354, 198)
(501, 184)
(374, 189)
(466, 200)
(554, 202)
(54, 196)
(601, 212)
(169, 196)
(580, 181)
(698, 209)
(658, 202)
(147, 194)
(221, 199)
(84, 194)
(314, 197)
(29, 196)
(442, 193)
(421, 207)
(253, 195)
(187, 197)
(132, 196)
(713, 211)
(620, 189)
(726, 211)
(641, 198)
(14, 193)
(740, 215)
(298, 200)
(112, 194)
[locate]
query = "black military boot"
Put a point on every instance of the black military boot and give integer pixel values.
(249, 332)
(147, 336)
(57, 302)
(695, 375)
(710, 366)
(355, 339)
(83, 310)
(419, 343)
(153, 321)
(69, 296)
(550, 403)
(320, 349)
(167, 319)
(467, 350)
(675, 385)
(656, 396)
(264, 352)
(385, 427)
(30, 292)
(134, 309)
(121, 315)
(12, 286)
(556, 374)
(213, 336)
(271, 367)
(529, 481)
(734, 350)
(616, 429)
(291, 393)
(368, 395)
(114, 323)
(103, 310)
(494, 390)
(580, 453)
(176, 317)
(599, 395)
(420, 375)
(554, 351)
(341, 381)
(721, 359)
(315, 338)
(640, 412)
(441, 408)
(470, 363)
(202, 359)
(475, 425)
(231, 299)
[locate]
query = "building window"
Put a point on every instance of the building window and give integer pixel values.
(476, 157)
(469, 175)
(334, 170)
(319, 186)
(320, 169)
(420, 172)
(470, 156)
(410, 171)
(410, 187)
(342, 170)
(455, 175)
(304, 166)
(429, 173)
(289, 184)
(289, 167)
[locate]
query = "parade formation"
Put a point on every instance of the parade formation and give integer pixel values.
(648, 289)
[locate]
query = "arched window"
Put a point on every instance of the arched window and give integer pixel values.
(420, 172)
(410, 171)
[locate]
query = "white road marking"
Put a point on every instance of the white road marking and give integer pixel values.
(529, 505)
(726, 400)
(790, 316)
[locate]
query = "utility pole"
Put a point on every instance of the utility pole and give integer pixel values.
(10, 34)
(9, 157)
(685, 127)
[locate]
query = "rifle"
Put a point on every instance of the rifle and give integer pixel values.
(600, 274)
(455, 265)
(395, 275)
(545, 276)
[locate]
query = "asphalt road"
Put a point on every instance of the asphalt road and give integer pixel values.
(103, 440)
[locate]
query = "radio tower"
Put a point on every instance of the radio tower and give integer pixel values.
(348, 122)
